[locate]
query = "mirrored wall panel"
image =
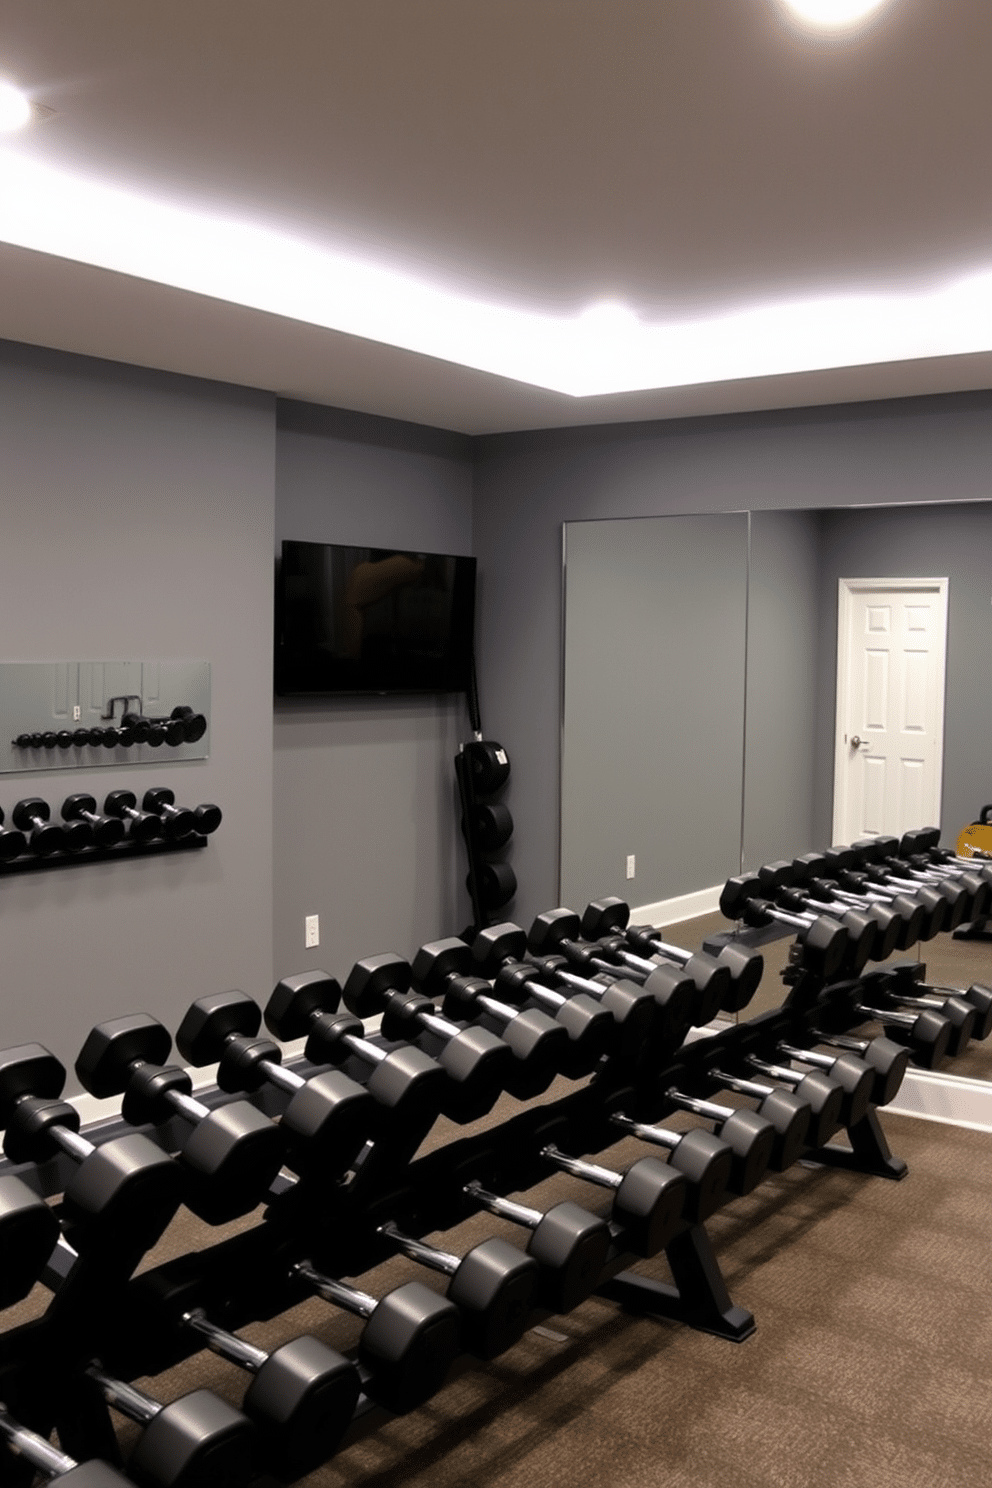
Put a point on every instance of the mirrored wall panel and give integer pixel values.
(653, 714)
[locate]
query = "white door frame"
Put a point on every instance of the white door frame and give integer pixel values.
(846, 590)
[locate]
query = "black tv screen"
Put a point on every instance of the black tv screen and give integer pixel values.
(372, 620)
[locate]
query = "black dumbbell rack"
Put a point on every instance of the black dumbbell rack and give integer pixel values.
(121, 852)
(100, 1308)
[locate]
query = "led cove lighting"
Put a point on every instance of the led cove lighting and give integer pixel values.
(604, 348)
(15, 108)
(832, 15)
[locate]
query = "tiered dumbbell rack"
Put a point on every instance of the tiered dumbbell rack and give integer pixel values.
(100, 1308)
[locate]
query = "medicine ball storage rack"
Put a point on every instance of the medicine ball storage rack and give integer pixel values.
(482, 769)
(31, 841)
(109, 1323)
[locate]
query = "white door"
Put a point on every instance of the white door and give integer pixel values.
(891, 645)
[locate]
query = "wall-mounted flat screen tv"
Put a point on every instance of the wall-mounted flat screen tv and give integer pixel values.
(372, 620)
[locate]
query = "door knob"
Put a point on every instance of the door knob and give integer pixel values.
(858, 742)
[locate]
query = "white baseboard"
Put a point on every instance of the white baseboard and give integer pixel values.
(685, 907)
(934, 1096)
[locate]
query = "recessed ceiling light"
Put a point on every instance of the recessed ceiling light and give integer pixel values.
(832, 15)
(15, 108)
(604, 347)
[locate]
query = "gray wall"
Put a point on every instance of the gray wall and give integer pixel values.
(527, 485)
(782, 641)
(930, 541)
(137, 521)
(653, 705)
(365, 828)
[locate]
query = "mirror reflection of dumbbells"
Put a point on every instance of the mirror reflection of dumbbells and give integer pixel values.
(182, 726)
(880, 853)
(856, 872)
(823, 942)
(569, 1244)
(477, 1062)
(679, 1004)
(498, 953)
(122, 1194)
(55, 1466)
(302, 1395)
(410, 1340)
(232, 1153)
(921, 849)
(493, 1286)
(963, 1017)
(406, 1083)
(745, 967)
(818, 895)
(927, 1035)
(853, 892)
(195, 1441)
(906, 980)
(649, 1197)
(778, 882)
(443, 968)
(329, 1117)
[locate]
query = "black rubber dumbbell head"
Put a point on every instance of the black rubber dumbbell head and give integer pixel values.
(194, 724)
(177, 821)
(408, 1345)
(31, 816)
(107, 830)
(296, 1000)
(28, 1232)
(302, 1399)
(13, 843)
(199, 1441)
(145, 827)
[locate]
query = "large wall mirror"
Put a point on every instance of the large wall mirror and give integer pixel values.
(699, 696)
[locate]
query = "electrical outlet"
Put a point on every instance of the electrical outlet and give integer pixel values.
(311, 931)
(631, 865)
(77, 712)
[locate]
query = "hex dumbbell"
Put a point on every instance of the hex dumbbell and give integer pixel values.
(703, 1160)
(55, 1466)
(493, 1286)
(410, 1339)
(539, 1044)
(498, 953)
(477, 1063)
(192, 1442)
(649, 1197)
(145, 826)
(569, 1244)
(789, 1115)
(107, 830)
(822, 1095)
(12, 842)
(406, 1083)
(329, 1117)
(559, 931)
(28, 1232)
(750, 1137)
(232, 1153)
(888, 1061)
(122, 1194)
(302, 1396)
(927, 1035)
(745, 966)
(44, 837)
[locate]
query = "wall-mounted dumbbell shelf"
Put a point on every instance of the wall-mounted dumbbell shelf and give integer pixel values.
(101, 1308)
(32, 842)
